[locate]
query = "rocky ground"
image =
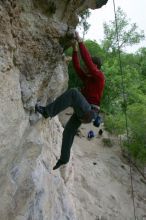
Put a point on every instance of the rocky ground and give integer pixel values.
(99, 178)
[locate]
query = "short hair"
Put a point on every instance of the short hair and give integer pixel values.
(97, 61)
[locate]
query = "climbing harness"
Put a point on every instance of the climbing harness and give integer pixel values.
(125, 109)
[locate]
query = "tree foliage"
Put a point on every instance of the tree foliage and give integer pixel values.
(128, 33)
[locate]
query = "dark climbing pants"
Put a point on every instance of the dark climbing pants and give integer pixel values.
(69, 132)
(71, 98)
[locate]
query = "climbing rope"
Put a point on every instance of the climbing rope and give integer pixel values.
(125, 107)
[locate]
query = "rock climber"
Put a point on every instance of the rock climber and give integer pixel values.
(85, 103)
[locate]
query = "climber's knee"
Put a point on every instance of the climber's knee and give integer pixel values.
(75, 93)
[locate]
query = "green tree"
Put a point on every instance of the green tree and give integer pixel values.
(137, 126)
(133, 79)
(128, 33)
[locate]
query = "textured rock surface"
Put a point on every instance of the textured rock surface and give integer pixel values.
(32, 69)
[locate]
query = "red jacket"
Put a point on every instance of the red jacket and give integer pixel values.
(94, 84)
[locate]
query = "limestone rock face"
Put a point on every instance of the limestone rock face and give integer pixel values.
(32, 69)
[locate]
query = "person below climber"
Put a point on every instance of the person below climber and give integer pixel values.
(85, 103)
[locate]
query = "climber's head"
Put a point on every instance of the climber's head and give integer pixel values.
(97, 61)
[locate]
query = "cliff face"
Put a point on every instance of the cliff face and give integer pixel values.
(32, 69)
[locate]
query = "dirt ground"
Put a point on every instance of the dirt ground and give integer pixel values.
(101, 181)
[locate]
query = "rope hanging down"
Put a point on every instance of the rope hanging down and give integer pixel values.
(125, 105)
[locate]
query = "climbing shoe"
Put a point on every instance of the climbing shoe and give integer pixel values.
(58, 164)
(41, 110)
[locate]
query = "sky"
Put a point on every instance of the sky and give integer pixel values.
(135, 10)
